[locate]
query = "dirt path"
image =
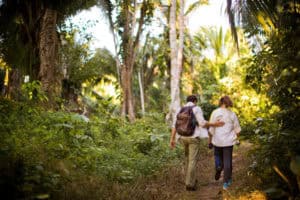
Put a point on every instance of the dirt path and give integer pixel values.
(170, 184)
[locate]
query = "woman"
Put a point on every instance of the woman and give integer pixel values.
(223, 138)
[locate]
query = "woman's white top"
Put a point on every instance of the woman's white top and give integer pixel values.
(225, 135)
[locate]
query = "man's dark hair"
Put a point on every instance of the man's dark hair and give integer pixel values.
(191, 98)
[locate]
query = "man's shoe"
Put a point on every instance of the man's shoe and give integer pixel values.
(190, 188)
(218, 174)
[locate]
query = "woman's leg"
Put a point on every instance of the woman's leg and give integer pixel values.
(218, 153)
(227, 161)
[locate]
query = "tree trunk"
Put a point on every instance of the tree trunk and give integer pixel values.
(14, 84)
(141, 92)
(129, 49)
(130, 42)
(126, 84)
(181, 38)
(50, 74)
(176, 58)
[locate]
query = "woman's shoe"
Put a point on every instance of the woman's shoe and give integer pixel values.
(218, 174)
(226, 185)
(229, 182)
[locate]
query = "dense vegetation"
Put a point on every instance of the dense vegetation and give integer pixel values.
(43, 157)
(82, 124)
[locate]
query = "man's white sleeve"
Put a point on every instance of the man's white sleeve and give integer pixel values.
(211, 129)
(199, 116)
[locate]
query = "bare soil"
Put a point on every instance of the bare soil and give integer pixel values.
(169, 184)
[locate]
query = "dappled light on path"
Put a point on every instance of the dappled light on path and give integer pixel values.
(255, 195)
(244, 186)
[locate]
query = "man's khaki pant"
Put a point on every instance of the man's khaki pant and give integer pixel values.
(191, 149)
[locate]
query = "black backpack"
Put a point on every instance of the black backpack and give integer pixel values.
(186, 121)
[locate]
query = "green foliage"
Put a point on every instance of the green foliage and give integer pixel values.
(275, 148)
(152, 62)
(20, 29)
(32, 91)
(87, 73)
(274, 70)
(218, 70)
(157, 98)
(65, 146)
(83, 65)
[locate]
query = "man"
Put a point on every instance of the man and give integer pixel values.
(191, 143)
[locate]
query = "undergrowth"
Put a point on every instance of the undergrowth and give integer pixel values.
(59, 155)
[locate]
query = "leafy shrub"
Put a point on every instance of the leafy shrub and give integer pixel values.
(53, 148)
(275, 149)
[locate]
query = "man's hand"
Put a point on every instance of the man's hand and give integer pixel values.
(172, 144)
(219, 123)
(210, 145)
(172, 139)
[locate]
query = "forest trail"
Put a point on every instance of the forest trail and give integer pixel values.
(243, 187)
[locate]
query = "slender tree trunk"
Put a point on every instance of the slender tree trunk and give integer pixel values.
(49, 73)
(141, 92)
(126, 68)
(4, 91)
(176, 58)
(118, 63)
(181, 38)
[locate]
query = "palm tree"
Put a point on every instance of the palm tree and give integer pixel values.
(220, 46)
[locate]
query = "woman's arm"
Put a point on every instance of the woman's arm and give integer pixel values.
(236, 125)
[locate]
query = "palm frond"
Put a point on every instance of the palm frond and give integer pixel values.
(195, 5)
(232, 22)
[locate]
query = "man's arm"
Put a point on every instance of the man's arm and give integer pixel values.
(199, 117)
(172, 139)
(203, 123)
(215, 124)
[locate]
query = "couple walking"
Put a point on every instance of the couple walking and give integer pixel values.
(223, 129)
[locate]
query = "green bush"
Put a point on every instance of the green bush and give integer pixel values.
(54, 148)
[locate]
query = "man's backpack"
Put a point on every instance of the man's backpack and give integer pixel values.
(186, 121)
